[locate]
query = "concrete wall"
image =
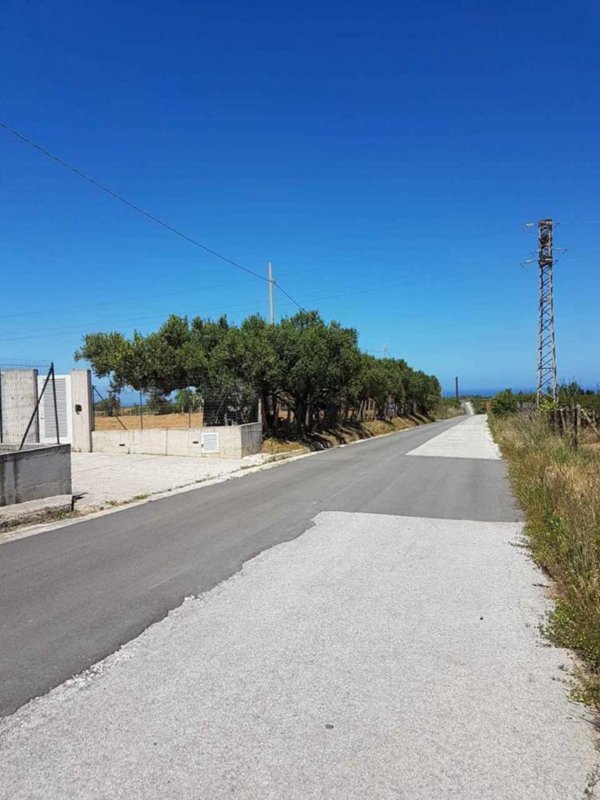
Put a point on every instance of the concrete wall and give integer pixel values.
(18, 396)
(251, 436)
(235, 441)
(82, 410)
(35, 472)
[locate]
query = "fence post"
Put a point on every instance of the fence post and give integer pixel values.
(35, 410)
(55, 404)
(576, 426)
(141, 412)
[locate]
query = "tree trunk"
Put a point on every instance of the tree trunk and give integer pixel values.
(300, 413)
(267, 415)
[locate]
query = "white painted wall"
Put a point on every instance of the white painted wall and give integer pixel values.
(234, 441)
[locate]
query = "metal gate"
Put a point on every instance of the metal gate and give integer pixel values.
(46, 415)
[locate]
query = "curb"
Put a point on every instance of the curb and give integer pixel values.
(34, 511)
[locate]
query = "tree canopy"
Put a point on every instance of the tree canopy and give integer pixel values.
(314, 367)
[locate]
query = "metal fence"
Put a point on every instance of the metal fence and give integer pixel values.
(162, 406)
(29, 412)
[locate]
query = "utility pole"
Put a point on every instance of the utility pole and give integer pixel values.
(271, 298)
(456, 387)
(546, 369)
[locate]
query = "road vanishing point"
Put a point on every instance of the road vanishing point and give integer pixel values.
(361, 623)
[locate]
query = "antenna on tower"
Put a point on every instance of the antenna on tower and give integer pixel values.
(546, 362)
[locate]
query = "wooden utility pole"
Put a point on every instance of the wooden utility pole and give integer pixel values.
(456, 387)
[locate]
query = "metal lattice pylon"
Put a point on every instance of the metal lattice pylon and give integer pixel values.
(546, 372)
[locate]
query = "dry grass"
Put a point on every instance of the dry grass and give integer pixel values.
(447, 409)
(559, 490)
(344, 434)
(379, 426)
(272, 446)
(134, 422)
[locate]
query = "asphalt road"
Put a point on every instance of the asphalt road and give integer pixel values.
(70, 597)
(387, 647)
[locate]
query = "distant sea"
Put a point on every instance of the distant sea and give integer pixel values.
(478, 392)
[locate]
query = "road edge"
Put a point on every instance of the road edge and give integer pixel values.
(37, 528)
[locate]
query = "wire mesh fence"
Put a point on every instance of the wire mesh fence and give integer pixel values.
(162, 406)
(30, 406)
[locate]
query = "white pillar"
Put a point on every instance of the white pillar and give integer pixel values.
(82, 410)
(18, 398)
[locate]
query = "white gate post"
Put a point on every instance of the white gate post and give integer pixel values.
(81, 410)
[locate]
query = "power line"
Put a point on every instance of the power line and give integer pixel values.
(155, 296)
(135, 207)
(57, 310)
(383, 286)
(319, 297)
(283, 291)
(61, 331)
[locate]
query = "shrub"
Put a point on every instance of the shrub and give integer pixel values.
(504, 403)
(109, 406)
(447, 408)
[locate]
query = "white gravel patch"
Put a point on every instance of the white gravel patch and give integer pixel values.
(373, 657)
(468, 439)
(106, 478)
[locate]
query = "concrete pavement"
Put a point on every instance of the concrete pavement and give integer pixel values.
(473, 439)
(102, 479)
(382, 653)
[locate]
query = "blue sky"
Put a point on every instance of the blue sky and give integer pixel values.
(384, 156)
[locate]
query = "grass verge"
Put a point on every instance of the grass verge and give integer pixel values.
(333, 437)
(558, 488)
(36, 518)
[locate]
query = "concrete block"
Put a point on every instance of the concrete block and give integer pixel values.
(35, 472)
(18, 398)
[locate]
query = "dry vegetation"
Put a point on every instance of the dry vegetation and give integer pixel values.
(343, 434)
(448, 408)
(133, 422)
(559, 489)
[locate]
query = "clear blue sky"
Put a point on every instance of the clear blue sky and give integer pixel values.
(383, 155)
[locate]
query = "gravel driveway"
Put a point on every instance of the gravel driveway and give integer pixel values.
(102, 479)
